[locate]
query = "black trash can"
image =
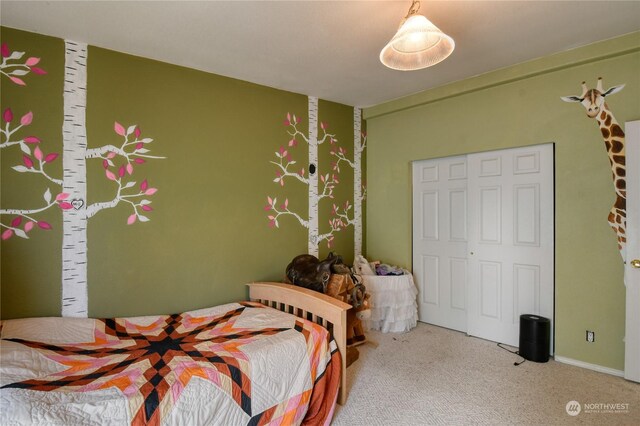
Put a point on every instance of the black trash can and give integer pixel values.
(534, 337)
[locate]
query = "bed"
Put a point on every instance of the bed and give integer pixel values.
(276, 359)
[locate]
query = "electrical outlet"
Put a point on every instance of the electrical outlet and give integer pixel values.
(591, 336)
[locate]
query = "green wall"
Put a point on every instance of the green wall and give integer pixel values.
(513, 107)
(208, 234)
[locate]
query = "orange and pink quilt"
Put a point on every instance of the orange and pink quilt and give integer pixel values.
(235, 364)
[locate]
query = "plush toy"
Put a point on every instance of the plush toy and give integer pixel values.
(332, 277)
(343, 287)
(310, 272)
(355, 316)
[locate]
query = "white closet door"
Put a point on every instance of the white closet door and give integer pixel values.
(632, 267)
(440, 240)
(511, 240)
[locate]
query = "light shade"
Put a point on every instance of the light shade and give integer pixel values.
(417, 44)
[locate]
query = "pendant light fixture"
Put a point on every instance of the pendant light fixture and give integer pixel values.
(417, 44)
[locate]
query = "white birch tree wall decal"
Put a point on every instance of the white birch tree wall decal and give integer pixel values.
(118, 160)
(359, 190)
(286, 168)
(11, 68)
(24, 220)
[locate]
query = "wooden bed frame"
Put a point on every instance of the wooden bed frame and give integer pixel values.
(313, 306)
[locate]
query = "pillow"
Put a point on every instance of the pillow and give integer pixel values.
(362, 267)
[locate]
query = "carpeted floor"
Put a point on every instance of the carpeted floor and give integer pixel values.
(436, 376)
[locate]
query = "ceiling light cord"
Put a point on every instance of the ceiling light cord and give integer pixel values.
(413, 9)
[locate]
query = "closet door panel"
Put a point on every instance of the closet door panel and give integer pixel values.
(440, 240)
(510, 228)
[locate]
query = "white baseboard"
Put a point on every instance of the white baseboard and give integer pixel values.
(588, 366)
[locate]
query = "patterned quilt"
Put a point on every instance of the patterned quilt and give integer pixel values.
(235, 364)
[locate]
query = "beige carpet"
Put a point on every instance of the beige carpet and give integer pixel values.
(435, 376)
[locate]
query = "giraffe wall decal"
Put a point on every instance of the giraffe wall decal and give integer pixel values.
(593, 101)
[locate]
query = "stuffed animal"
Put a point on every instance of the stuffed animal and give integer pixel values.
(310, 272)
(343, 287)
(355, 316)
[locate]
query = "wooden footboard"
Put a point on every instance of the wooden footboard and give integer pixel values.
(311, 305)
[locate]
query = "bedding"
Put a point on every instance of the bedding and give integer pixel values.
(235, 364)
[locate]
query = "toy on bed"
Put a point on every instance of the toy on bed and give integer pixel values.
(308, 271)
(343, 287)
(332, 277)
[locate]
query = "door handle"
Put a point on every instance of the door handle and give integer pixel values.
(635, 263)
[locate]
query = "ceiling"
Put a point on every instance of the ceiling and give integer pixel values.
(327, 49)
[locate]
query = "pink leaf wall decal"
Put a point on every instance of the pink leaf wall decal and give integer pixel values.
(16, 221)
(28, 226)
(139, 145)
(5, 50)
(144, 185)
(131, 219)
(26, 119)
(137, 132)
(18, 81)
(65, 205)
(50, 157)
(62, 196)
(130, 168)
(105, 164)
(110, 175)
(111, 154)
(38, 153)
(44, 225)
(121, 171)
(267, 207)
(27, 161)
(270, 200)
(147, 208)
(151, 191)
(8, 233)
(286, 203)
(31, 139)
(7, 115)
(119, 129)
(138, 160)
(32, 61)
(287, 123)
(38, 71)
